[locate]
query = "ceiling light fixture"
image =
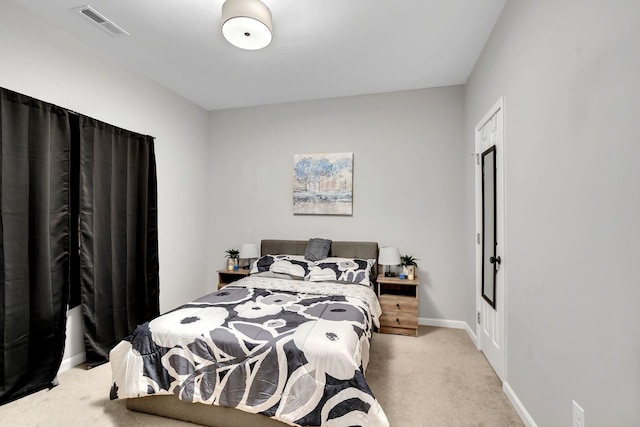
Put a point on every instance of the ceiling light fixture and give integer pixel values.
(246, 24)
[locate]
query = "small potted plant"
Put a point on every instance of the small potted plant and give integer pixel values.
(409, 265)
(233, 256)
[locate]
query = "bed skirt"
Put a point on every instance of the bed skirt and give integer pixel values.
(206, 415)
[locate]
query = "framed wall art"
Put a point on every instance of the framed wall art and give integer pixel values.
(323, 184)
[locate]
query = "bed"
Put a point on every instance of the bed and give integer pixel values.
(287, 345)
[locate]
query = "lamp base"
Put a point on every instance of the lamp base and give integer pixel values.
(389, 274)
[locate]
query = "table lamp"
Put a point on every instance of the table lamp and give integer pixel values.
(248, 251)
(389, 255)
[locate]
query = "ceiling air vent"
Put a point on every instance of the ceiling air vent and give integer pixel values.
(99, 20)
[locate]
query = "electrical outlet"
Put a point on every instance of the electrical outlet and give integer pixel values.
(578, 415)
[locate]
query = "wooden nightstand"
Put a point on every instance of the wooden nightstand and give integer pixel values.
(399, 301)
(227, 276)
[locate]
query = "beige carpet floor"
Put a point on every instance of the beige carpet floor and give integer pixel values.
(436, 379)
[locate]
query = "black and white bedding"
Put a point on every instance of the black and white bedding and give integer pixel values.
(293, 350)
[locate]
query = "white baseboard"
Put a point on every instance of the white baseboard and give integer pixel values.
(442, 323)
(72, 361)
(517, 404)
(471, 334)
(454, 324)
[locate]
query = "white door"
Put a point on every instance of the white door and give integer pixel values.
(490, 249)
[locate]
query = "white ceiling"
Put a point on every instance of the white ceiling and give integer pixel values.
(320, 48)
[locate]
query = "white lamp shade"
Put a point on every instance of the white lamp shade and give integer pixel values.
(246, 24)
(389, 255)
(249, 250)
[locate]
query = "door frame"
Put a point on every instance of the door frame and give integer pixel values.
(501, 293)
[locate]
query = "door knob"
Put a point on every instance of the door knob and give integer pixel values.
(496, 260)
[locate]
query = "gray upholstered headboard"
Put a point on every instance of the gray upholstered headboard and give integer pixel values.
(364, 250)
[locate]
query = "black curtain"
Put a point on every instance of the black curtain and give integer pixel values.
(118, 235)
(78, 211)
(34, 252)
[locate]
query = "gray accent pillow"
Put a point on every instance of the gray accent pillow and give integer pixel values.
(317, 249)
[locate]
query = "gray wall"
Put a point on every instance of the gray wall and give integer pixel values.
(49, 64)
(569, 72)
(409, 159)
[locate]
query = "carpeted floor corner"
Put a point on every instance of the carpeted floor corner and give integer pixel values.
(436, 379)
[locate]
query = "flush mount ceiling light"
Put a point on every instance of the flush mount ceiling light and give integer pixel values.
(246, 24)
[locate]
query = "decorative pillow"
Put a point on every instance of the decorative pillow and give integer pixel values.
(345, 270)
(262, 264)
(317, 249)
(291, 265)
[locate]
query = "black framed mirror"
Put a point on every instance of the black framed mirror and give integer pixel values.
(490, 262)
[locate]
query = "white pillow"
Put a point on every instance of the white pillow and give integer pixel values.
(344, 270)
(292, 267)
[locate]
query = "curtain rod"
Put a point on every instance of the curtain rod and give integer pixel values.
(75, 113)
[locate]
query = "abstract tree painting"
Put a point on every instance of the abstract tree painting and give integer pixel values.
(323, 184)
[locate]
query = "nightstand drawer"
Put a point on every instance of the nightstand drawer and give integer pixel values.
(399, 331)
(399, 320)
(395, 303)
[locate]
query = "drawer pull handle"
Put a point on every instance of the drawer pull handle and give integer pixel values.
(398, 305)
(398, 320)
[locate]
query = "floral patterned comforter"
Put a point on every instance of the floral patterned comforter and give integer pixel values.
(291, 350)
